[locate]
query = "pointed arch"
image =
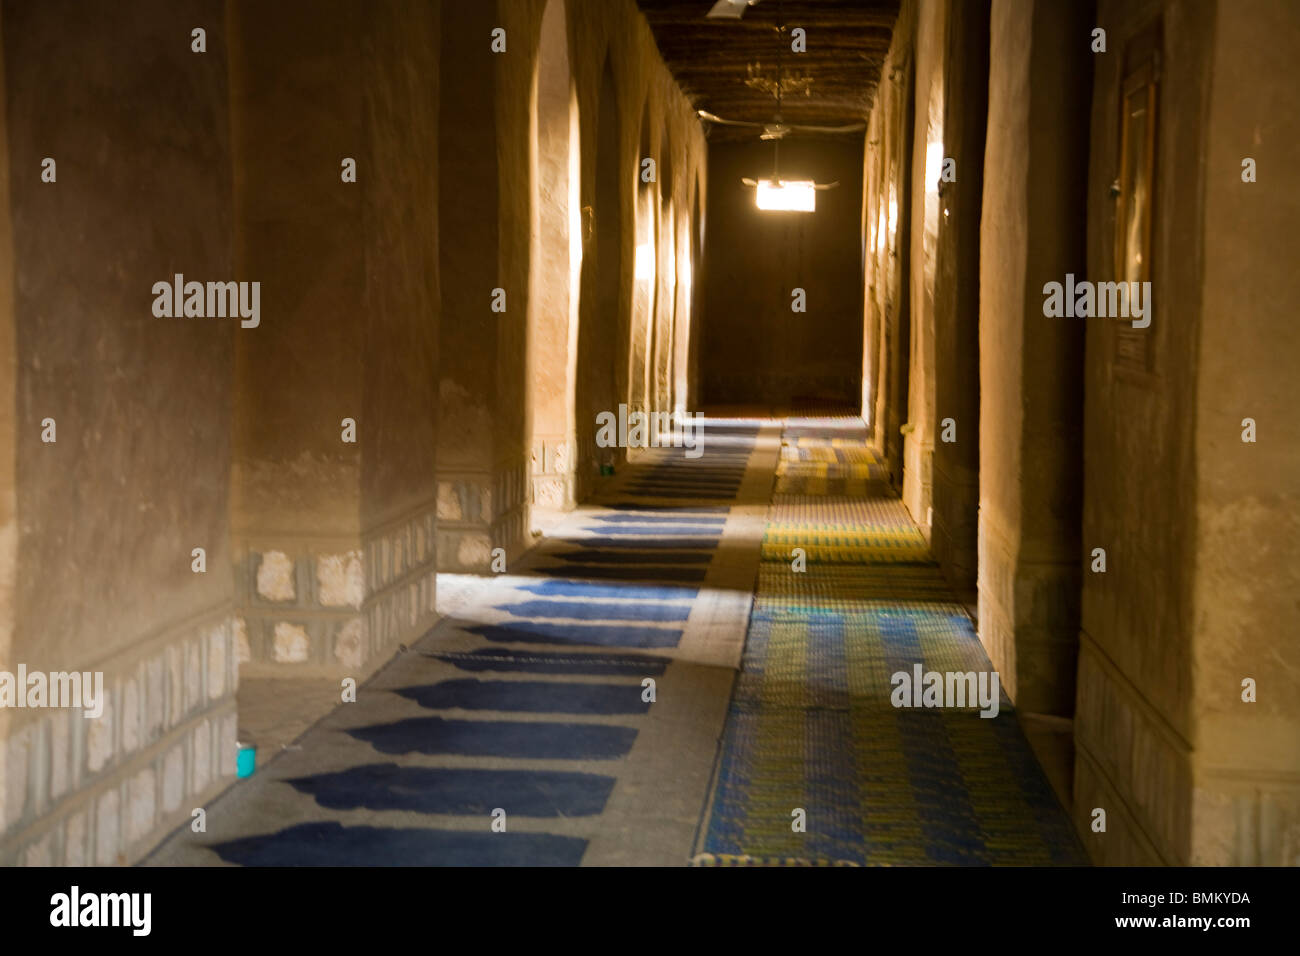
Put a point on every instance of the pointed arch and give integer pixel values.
(556, 255)
(645, 272)
(600, 336)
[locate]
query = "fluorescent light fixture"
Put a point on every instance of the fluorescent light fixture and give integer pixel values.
(786, 196)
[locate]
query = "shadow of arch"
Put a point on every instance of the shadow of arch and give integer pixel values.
(333, 844)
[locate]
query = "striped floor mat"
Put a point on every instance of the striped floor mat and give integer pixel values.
(526, 707)
(817, 767)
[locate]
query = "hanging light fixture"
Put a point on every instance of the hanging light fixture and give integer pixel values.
(784, 195)
(777, 194)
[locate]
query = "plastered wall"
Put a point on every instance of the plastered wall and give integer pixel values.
(1197, 524)
(138, 476)
(1246, 798)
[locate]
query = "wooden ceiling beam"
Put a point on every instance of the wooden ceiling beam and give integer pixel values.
(847, 44)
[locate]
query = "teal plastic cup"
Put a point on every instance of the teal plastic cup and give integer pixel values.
(245, 759)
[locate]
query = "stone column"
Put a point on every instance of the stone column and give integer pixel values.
(334, 512)
(1032, 232)
(923, 202)
(484, 213)
(556, 256)
(956, 301)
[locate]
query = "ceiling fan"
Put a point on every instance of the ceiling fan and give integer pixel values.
(777, 193)
(730, 9)
(785, 195)
(777, 129)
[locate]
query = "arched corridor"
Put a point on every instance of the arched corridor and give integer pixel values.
(649, 433)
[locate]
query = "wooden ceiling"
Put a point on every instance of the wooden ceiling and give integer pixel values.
(847, 42)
